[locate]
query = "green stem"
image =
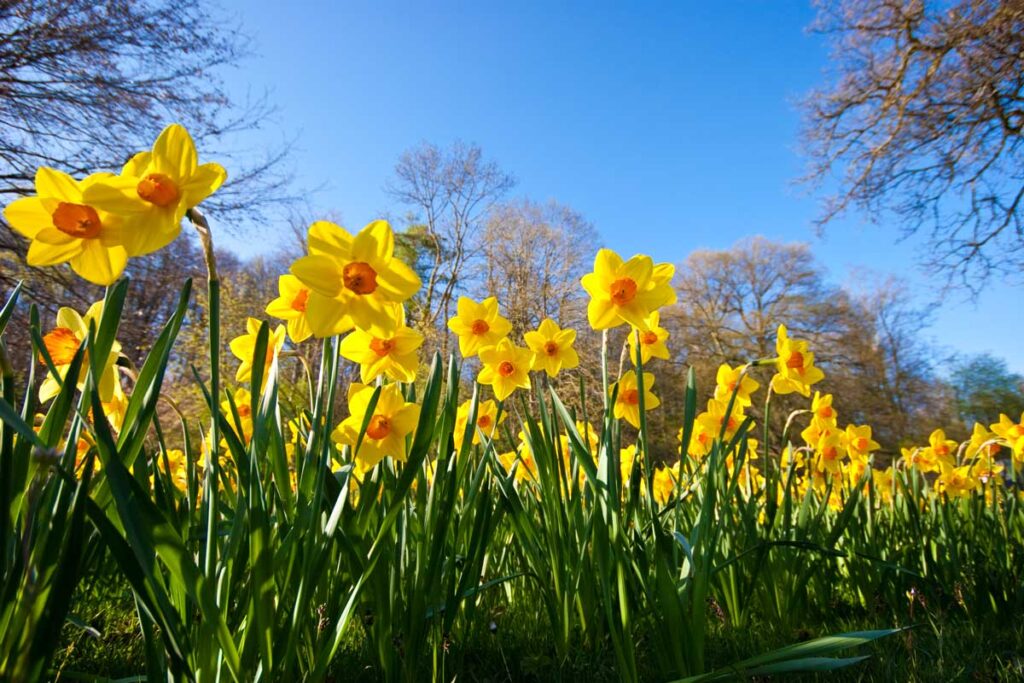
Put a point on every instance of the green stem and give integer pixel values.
(212, 475)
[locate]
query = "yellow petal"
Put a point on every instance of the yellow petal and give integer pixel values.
(138, 165)
(602, 315)
(399, 281)
(116, 194)
(174, 153)
(201, 184)
(43, 254)
(28, 216)
(319, 273)
(53, 183)
(98, 264)
(150, 231)
(327, 316)
(606, 264)
(329, 239)
(374, 244)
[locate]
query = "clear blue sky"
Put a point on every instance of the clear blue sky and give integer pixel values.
(670, 126)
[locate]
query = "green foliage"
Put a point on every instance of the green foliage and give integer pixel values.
(985, 388)
(273, 554)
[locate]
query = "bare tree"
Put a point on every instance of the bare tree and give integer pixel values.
(85, 83)
(731, 302)
(533, 256)
(450, 192)
(871, 344)
(923, 123)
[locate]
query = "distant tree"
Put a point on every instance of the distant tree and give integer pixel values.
(924, 122)
(985, 387)
(450, 193)
(532, 258)
(888, 379)
(732, 301)
(870, 345)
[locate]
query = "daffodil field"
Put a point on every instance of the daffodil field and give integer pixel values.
(266, 543)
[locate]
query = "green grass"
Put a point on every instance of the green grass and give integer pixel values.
(506, 643)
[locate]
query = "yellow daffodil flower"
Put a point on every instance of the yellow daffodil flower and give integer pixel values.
(552, 348)
(506, 367)
(290, 306)
(626, 291)
(478, 325)
(527, 466)
(858, 441)
(734, 379)
(921, 458)
(795, 366)
(244, 347)
(712, 421)
(664, 483)
(354, 280)
(829, 450)
(394, 355)
(940, 449)
(652, 340)
(627, 401)
(956, 482)
(821, 408)
(155, 189)
(67, 228)
(486, 421)
(1013, 433)
(392, 421)
(62, 343)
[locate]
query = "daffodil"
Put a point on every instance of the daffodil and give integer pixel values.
(552, 348)
(486, 421)
(64, 227)
(1013, 433)
(178, 463)
(627, 401)
(829, 451)
(392, 421)
(821, 408)
(664, 483)
(290, 306)
(858, 441)
(715, 420)
(882, 484)
(244, 348)
(921, 458)
(506, 367)
(393, 355)
(795, 366)
(626, 291)
(731, 380)
(353, 280)
(525, 465)
(478, 325)
(62, 344)
(956, 482)
(940, 449)
(652, 340)
(983, 443)
(155, 189)
(627, 456)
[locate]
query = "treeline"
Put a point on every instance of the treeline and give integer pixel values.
(467, 237)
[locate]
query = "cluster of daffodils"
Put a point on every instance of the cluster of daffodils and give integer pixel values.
(95, 224)
(352, 286)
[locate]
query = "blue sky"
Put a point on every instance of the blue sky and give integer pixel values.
(670, 126)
